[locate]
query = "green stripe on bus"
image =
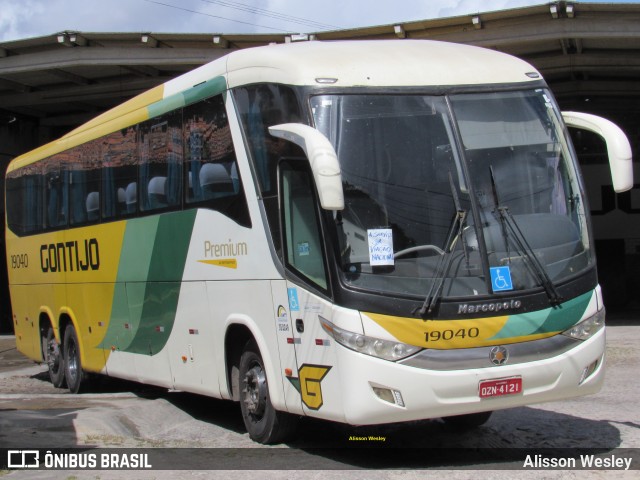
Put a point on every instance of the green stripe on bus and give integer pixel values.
(162, 292)
(137, 244)
(199, 92)
(566, 314)
(549, 320)
(129, 291)
(205, 90)
(148, 282)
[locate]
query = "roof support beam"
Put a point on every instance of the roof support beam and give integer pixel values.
(142, 71)
(114, 91)
(11, 85)
(69, 58)
(70, 77)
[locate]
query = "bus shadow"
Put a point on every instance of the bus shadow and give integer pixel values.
(507, 438)
(222, 413)
(504, 441)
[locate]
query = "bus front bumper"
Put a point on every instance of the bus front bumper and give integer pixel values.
(375, 391)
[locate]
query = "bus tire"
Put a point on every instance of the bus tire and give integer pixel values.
(264, 423)
(468, 421)
(53, 357)
(73, 366)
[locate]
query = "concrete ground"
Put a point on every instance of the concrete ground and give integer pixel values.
(183, 431)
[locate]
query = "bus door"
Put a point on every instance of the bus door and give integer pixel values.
(307, 286)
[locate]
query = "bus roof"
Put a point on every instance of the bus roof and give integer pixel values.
(376, 63)
(359, 63)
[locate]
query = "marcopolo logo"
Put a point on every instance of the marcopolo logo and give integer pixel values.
(489, 307)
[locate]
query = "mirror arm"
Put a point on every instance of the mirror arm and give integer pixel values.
(323, 160)
(618, 147)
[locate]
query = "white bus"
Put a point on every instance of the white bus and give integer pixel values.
(364, 232)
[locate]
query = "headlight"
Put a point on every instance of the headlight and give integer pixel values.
(586, 328)
(376, 347)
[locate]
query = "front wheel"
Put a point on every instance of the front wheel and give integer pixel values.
(263, 422)
(73, 367)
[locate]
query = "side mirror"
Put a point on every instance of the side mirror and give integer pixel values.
(618, 147)
(323, 160)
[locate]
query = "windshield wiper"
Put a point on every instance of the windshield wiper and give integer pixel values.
(510, 228)
(444, 263)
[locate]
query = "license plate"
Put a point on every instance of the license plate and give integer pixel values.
(500, 387)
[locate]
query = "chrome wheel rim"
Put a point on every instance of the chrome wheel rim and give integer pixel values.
(72, 365)
(53, 355)
(255, 392)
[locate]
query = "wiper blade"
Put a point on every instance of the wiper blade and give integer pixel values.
(508, 226)
(444, 263)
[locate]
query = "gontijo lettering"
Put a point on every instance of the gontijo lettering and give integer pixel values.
(71, 256)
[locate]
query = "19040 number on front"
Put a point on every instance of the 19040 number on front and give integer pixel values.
(451, 334)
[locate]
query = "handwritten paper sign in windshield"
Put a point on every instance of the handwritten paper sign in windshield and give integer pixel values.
(380, 246)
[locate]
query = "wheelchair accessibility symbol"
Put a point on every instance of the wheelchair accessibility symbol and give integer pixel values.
(501, 279)
(294, 304)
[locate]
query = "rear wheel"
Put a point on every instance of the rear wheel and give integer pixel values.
(263, 422)
(73, 367)
(52, 356)
(468, 421)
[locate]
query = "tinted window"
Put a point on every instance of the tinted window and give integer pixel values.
(160, 172)
(119, 174)
(24, 200)
(303, 239)
(136, 170)
(84, 183)
(211, 169)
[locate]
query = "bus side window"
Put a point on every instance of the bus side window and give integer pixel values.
(262, 106)
(24, 200)
(56, 193)
(211, 170)
(303, 239)
(84, 183)
(16, 197)
(119, 171)
(160, 167)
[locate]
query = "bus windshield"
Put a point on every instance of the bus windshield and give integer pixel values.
(466, 194)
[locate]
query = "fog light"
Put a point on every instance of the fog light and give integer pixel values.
(588, 371)
(389, 395)
(398, 398)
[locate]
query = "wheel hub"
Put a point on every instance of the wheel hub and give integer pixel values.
(255, 393)
(53, 354)
(72, 367)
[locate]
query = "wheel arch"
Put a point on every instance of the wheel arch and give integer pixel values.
(45, 320)
(236, 337)
(238, 332)
(65, 319)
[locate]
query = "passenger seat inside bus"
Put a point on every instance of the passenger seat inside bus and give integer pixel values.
(131, 194)
(93, 206)
(122, 198)
(215, 181)
(157, 195)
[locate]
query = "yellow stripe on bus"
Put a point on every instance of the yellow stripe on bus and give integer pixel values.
(442, 334)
